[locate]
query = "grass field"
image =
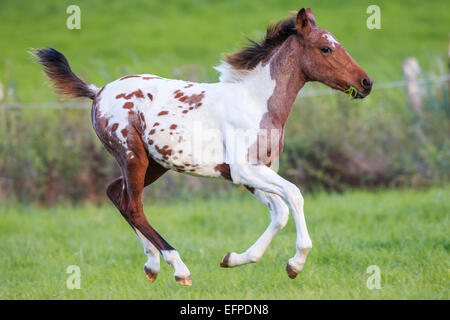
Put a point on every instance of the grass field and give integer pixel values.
(403, 232)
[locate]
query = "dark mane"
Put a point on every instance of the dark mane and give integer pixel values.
(255, 52)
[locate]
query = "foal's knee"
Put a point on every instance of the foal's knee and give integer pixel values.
(280, 216)
(135, 211)
(114, 190)
(294, 195)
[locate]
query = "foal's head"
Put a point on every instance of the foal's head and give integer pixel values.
(324, 59)
(320, 56)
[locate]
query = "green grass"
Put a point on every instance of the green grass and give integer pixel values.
(403, 232)
(143, 36)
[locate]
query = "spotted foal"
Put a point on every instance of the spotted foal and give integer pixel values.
(233, 129)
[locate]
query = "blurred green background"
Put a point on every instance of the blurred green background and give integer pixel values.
(118, 37)
(347, 156)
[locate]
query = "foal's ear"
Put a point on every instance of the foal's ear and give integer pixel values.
(305, 21)
(311, 18)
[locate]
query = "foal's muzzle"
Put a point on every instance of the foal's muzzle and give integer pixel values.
(366, 84)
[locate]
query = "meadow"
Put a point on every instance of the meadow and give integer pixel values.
(403, 232)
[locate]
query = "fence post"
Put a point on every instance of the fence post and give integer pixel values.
(1, 92)
(411, 73)
(448, 62)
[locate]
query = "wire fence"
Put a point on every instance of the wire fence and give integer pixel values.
(379, 86)
(303, 94)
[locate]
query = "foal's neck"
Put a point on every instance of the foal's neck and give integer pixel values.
(285, 69)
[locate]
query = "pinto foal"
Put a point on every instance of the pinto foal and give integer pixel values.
(151, 125)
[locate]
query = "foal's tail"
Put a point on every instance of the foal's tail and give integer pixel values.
(57, 68)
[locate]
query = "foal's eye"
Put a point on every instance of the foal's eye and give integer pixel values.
(326, 50)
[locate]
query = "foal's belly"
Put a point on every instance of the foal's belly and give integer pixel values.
(187, 144)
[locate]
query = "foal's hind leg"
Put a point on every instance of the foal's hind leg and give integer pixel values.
(114, 192)
(279, 213)
(135, 165)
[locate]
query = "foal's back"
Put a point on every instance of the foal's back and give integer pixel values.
(177, 120)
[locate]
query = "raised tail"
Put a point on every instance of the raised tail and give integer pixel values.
(57, 68)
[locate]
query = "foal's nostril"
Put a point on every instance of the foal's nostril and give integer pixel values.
(366, 83)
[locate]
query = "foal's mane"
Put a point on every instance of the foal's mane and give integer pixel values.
(255, 52)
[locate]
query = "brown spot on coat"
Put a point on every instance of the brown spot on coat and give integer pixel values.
(100, 91)
(127, 77)
(193, 99)
(114, 127)
(224, 170)
(162, 113)
(152, 131)
(144, 126)
(173, 126)
(138, 93)
(124, 132)
(251, 189)
(156, 124)
(164, 151)
(128, 105)
(150, 96)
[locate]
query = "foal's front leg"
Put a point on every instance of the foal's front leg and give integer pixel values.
(279, 214)
(265, 179)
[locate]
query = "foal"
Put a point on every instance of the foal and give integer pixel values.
(151, 124)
